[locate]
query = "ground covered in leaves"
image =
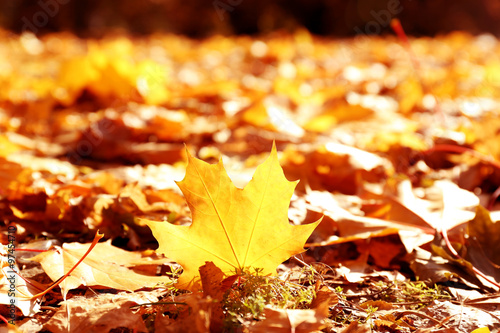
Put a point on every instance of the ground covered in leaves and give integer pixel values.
(396, 146)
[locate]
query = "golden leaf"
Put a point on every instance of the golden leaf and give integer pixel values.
(232, 227)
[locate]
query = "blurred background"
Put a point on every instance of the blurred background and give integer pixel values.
(200, 18)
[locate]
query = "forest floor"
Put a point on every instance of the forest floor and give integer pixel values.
(396, 147)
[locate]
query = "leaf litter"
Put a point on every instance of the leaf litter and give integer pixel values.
(397, 165)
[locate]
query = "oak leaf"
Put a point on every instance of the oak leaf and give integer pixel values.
(232, 227)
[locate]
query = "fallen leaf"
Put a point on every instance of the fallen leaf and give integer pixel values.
(101, 313)
(324, 297)
(434, 269)
(380, 305)
(211, 281)
(348, 226)
(106, 266)
(14, 288)
(476, 253)
(193, 315)
(333, 167)
(234, 228)
(444, 205)
(484, 243)
(463, 318)
(294, 320)
(356, 327)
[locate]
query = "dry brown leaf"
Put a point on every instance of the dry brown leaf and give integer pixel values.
(436, 269)
(14, 288)
(211, 280)
(193, 317)
(473, 255)
(464, 318)
(348, 227)
(295, 320)
(324, 297)
(443, 205)
(106, 266)
(355, 327)
(100, 313)
(380, 305)
(483, 245)
(334, 167)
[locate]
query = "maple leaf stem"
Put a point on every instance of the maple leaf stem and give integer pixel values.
(4, 319)
(30, 250)
(400, 32)
(97, 237)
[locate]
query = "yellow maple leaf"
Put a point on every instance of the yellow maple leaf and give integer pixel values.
(232, 227)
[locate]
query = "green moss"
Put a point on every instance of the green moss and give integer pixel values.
(249, 296)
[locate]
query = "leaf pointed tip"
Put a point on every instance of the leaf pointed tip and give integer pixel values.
(188, 153)
(273, 149)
